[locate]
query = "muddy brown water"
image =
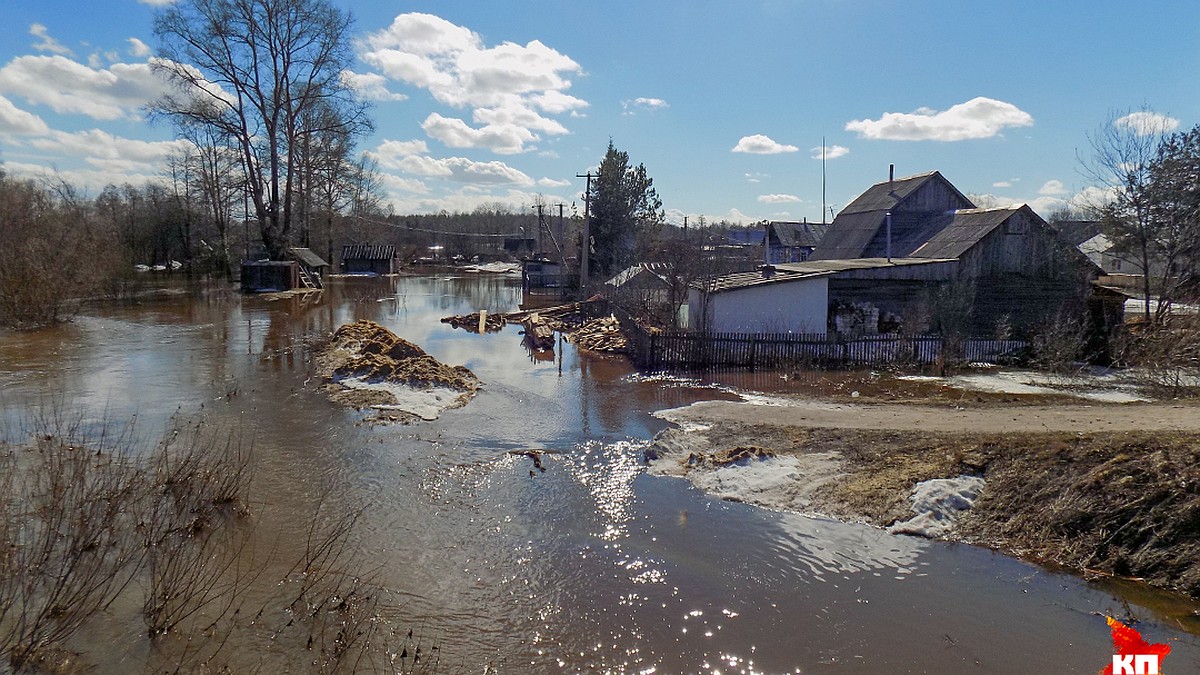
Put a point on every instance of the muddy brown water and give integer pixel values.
(590, 566)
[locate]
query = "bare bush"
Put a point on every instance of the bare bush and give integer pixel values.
(1166, 357)
(1058, 344)
(68, 514)
(85, 520)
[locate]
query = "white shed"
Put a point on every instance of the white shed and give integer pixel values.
(768, 301)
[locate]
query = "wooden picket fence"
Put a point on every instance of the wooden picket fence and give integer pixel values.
(692, 350)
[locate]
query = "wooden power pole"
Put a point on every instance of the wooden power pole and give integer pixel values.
(586, 253)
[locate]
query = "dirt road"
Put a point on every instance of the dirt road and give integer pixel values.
(1083, 418)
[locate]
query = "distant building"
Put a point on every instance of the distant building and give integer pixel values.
(899, 254)
(792, 241)
(368, 259)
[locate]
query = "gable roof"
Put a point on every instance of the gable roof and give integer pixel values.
(368, 252)
(959, 231)
(862, 222)
(1076, 232)
(793, 234)
(652, 271)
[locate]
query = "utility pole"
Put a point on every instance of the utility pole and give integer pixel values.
(541, 226)
(586, 253)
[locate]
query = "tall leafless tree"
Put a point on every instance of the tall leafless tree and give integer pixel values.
(1124, 149)
(255, 70)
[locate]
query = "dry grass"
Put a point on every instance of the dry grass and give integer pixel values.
(87, 519)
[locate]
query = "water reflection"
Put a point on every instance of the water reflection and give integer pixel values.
(589, 566)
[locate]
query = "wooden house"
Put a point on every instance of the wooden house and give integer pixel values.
(367, 259)
(908, 254)
(1013, 268)
(791, 241)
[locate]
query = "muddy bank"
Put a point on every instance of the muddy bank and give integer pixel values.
(366, 366)
(1122, 503)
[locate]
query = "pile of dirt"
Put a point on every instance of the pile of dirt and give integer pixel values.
(366, 353)
(601, 335)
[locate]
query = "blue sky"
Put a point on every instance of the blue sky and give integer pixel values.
(726, 103)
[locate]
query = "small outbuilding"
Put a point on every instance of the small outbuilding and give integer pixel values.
(367, 259)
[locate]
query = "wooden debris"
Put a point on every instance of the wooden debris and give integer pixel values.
(600, 335)
(471, 322)
(538, 333)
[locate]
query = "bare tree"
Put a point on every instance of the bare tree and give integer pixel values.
(255, 70)
(1124, 149)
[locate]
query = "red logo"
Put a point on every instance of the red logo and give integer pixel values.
(1133, 655)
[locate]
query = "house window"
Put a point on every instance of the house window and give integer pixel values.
(1015, 226)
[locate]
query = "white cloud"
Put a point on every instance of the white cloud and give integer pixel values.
(831, 151)
(1002, 184)
(759, 144)
(47, 43)
(395, 184)
(370, 86)
(138, 49)
(504, 85)
(978, 118)
(552, 183)
(109, 153)
(1053, 188)
(1146, 123)
(778, 199)
(13, 120)
(410, 157)
(756, 177)
(464, 200)
(157, 3)
(67, 86)
(505, 139)
(650, 104)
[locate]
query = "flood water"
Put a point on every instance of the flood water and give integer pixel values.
(590, 566)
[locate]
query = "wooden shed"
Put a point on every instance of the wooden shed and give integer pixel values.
(369, 259)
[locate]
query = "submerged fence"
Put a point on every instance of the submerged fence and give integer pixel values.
(689, 350)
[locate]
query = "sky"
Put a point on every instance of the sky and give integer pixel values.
(727, 104)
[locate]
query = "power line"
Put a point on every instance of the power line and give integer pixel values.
(414, 228)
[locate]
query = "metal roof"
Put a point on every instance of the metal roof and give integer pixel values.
(1076, 232)
(368, 252)
(857, 231)
(786, 272)
(657, 270)
(794, 234)
(963, 229)
(307, 257)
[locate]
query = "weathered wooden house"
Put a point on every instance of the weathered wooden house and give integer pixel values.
(792, 241)
(367, 259)
(1012, 267)
(914, 254)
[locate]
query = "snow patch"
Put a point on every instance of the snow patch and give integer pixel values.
(937, 504)
(426, 403)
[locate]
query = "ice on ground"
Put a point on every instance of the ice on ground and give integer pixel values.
(426, 403)
(937, 504)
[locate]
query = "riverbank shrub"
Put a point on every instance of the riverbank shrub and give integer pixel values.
(96, 529)
(52, 252)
